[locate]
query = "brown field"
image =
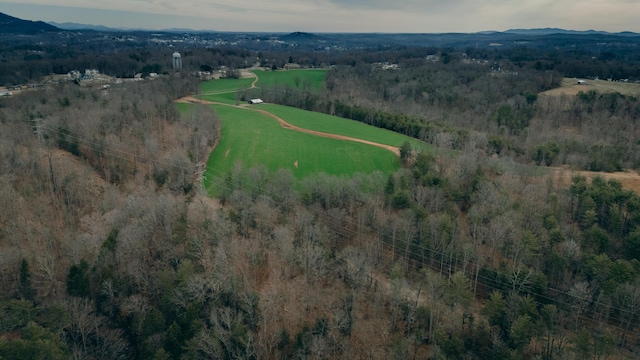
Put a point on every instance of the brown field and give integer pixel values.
(630, 180)
(569, 86)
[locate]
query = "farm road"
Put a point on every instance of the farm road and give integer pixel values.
(253, 86)
(286, 125)
(630, 180)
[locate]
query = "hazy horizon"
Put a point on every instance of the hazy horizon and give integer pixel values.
(403, 16)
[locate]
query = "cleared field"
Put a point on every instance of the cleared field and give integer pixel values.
(226, 98)
(570, 86)
(336, 125)
(309, 79)
(225, 85)
(252, 138)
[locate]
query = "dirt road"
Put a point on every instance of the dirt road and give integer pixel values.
(630, 180)
(286, 125)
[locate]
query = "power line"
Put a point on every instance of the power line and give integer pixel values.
(434, 254)
(401, 252)
(454, 257)
(487, 281)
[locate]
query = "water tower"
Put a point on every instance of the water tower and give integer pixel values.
(177, 61)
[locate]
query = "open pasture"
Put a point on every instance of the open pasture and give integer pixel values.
(340, 126)
(225, 98)
(251, 138)
(570, 86)
(220, 86)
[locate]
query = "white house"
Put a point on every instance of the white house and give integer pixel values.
(255, 101)
(74, 74)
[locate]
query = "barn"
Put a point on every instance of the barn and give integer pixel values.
(255, 101)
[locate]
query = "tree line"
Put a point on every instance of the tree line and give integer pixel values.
(469, 105)
(110, 249)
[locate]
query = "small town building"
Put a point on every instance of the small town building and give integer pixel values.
(74, 75)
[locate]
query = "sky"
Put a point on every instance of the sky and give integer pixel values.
(389, 16)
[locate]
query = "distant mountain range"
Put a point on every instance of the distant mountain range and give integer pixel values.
(307, 36)
(552, 31)
(76, 26)
(13, 25)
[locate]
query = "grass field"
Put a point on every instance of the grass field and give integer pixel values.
(226, 98)
(225, 85)
(336, 125)
(224, 90)
(252, 138)
(309, 79)
(569, 86)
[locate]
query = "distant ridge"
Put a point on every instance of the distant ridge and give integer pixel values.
(553, 31)
(299, 35)
(13, 25)
(76, 26)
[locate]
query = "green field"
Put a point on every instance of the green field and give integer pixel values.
(570, 86)
(336, 125)
(224, 90)
(252, 138)
(302, 79)
(226, 98)
(225, 85)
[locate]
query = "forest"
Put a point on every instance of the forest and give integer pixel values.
(463, 103)
(480, 249)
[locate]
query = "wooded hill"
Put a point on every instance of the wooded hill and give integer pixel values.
(110, 248)
(12, 25)
(462, 104)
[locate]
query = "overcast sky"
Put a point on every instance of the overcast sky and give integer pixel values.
(414, 16)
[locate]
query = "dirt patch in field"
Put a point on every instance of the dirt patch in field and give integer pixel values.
(227, 152)
(296, 164)
(193, 100)
(630, 180)
(569, 90)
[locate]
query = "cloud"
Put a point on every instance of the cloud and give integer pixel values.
(428, 6)
(351, 15)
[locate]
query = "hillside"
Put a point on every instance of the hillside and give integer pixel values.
(77, 26)
(12, 25)
(461, 212)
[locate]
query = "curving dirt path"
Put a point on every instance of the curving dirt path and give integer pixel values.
(255, 81)
(253, 86)
(286, 125)
(630, 180)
